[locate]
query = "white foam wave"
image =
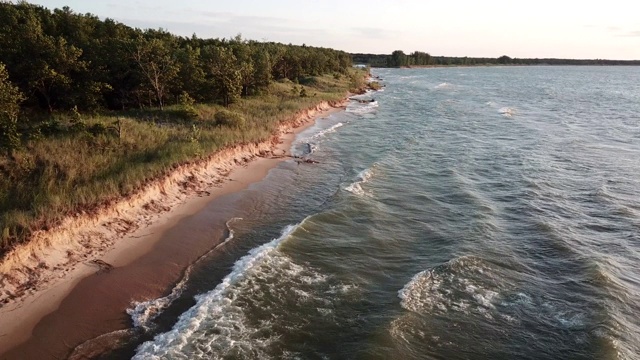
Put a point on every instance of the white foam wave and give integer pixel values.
(444, 85)
(230, 232)
(508, 111)
(144, 312)
(217, 323)
(330, 130)
(362, 108)
(454, 286)
(363, 177)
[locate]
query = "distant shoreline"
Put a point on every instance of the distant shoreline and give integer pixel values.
(399, 59)
(496, 65)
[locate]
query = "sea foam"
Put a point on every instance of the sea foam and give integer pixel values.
(361, 109)
(507, 111)
(458, 285)
(363, 177)
(144, 312)
(330, 130)
(217, 311)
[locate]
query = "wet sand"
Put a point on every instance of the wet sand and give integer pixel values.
(90, 301)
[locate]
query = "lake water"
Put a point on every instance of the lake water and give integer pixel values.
(467, 213)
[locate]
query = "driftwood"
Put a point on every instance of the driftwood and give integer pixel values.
(102, 265)
(361, 101)
(300, 160)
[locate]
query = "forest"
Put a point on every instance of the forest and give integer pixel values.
(91, 109)
(418, 58)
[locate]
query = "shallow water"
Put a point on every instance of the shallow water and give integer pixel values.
(469, 213)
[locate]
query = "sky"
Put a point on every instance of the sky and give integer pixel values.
(584, 29)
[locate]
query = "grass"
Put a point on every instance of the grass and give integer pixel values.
(90, 162)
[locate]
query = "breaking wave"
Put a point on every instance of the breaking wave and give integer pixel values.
(363, 177)
(143, 313)
(463, 284)
(361, 109)
(217, 325)
(330, 130)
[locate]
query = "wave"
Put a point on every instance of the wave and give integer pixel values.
(95, 347)
(230, 235)
(308, 145)
(217, 323)
(508, 111)
(361, 109)
(444, 85)
(472, 286)
(324, 132)
(461, 284)
(144, 312)
(363, 177)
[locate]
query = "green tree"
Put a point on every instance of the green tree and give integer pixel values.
(10, 99)
(158, 64)
(222, 75)
(243, 52)
(262, 74)
(504, 59)
(190, 76)
(52, 64)
(398, 58)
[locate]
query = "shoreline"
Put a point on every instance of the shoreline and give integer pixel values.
(47, 272)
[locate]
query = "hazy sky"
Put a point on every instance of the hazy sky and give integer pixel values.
(534, 28)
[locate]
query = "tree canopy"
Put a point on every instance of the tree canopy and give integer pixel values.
(62, 60)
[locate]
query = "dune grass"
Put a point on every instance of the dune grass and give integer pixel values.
(93, 160)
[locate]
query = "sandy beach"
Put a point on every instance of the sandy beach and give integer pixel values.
(74, 283)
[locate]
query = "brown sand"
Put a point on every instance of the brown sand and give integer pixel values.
(149, 241)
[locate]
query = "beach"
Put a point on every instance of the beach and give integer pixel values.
(75, 282)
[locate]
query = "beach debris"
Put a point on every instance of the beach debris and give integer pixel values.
(300, 160)
(102, 265)
(363, 101)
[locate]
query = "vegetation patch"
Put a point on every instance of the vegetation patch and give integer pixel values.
(230, 118)
(101, 109)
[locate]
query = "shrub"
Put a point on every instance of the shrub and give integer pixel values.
(185, 99)
(308, 81)
(229, 118)
(187, 113)
(51, 126)
(97, 129)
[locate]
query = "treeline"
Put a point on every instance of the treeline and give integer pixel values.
(399, 59)
(61, 60)
(92, 110)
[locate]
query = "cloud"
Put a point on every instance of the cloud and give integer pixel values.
(617, 31)
(134, 6)
(241, 19)
(373, 33)
(220, 25)
(635, 33)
